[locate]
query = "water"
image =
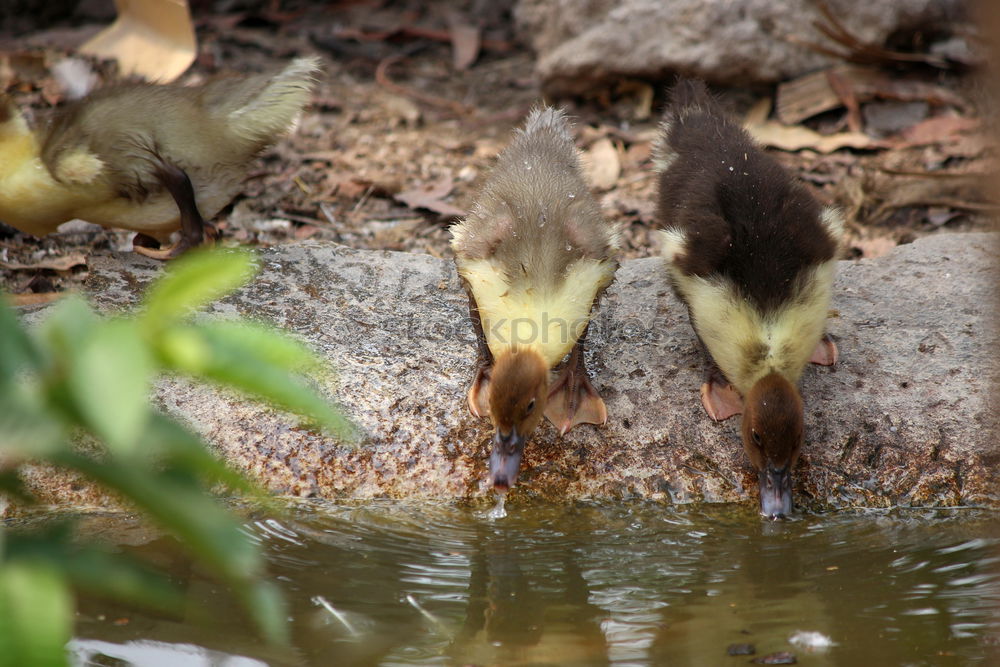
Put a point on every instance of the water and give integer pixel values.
(581, 584)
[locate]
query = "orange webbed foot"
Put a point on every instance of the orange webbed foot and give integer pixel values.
(721, 401)
(826, 353)
(573, 400)
(479, 393)
(146, 245)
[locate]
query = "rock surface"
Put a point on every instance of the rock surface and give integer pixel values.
(905, 418)
(582, 42)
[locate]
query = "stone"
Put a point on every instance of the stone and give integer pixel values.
(904, 419)
(582, 44)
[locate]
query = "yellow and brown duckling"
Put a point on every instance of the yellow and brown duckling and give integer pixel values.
(534, 254)
(145, 157)
(753, 255)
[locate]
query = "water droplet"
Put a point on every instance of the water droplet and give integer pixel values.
(568, 247)
(572, 195)
(730, 169)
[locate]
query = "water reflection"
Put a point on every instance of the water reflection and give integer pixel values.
(598, 584)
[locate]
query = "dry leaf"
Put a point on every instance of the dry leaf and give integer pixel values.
(64, 263)
(942, 129)
(602, 165)
(393, 235)
(152, 38)
(796, 137)
(874, 247)
(431, 197)
(465, 43)
(32, 298)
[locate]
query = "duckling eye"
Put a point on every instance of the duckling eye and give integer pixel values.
(531, 406)
(756, 437)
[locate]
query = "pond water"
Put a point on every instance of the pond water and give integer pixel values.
(581, 584)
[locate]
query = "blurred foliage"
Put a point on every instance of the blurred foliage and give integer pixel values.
(74, 394)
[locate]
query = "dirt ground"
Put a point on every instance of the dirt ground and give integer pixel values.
(400, 134)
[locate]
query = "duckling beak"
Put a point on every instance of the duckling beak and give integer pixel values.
(775, 492)
(505, 460)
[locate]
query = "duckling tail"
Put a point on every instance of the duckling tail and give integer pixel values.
(261, 106)
(687, 96)
(548, 119)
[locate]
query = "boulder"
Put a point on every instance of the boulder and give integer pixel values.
(905, 418)
(581, 44)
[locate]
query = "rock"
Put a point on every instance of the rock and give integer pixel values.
(905, 418)
(583, 43)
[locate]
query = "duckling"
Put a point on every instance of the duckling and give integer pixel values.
(145, 157)
(752, 254)
(534, 255)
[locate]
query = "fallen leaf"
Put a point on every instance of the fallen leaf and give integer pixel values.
(393, 235)
(399, 109)
(431, 197)
(874, 247)
(32, 298)
(638, 153)
(64, 263)
(465, 43)
(942, 129)
(796, 137)
(151, 38)
(602, 165)
(813, 94)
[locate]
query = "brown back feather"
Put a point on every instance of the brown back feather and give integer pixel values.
(743, 214)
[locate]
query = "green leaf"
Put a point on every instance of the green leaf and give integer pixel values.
(232, 359)
(70, 321)
(174, 445)
(266, 344)
(36, 611)
(109, 383)
(12, 485)
(16, 349)
(28, 428)
(184, 509)
(193, 282)
(210, 533)
(268, 610)
(92, 568)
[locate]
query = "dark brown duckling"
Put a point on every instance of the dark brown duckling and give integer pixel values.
(753, 255)
(534, 254)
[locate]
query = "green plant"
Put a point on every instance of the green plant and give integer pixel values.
(74, 393)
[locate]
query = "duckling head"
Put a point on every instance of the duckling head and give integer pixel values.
(518, 390)
(772, 438)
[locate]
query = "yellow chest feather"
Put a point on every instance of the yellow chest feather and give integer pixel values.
(548, 320)
(747, 345)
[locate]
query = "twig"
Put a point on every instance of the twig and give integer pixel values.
(382, 78)
(857, 50)
(419, 33)
(933, 174)
(845, 92)
(956, 203)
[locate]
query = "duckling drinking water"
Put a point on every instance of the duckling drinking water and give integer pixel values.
(534, 254)
(753, 256)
